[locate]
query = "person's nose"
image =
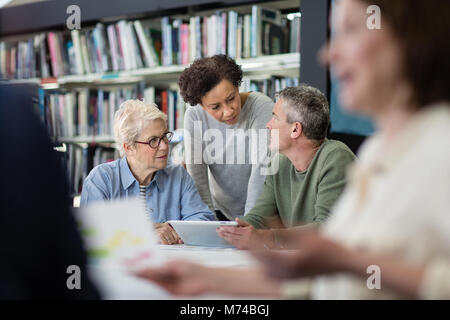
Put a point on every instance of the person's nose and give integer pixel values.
(269, 124)
(328, 53)
(228, 111)
(164, 144)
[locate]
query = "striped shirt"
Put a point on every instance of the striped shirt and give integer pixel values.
(143, 198)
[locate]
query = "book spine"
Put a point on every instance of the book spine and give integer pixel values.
(164, 101)
(192, 39)
(224, 23)
(77, 46)
(120, 50)
(205, 33)
(145, 45)
(184, 31)
(247, 35)
(198, 37)
(51, 45)
(113, 47)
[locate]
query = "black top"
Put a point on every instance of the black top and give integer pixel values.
(39, 239)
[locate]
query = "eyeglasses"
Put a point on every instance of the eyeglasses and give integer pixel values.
(156, 141)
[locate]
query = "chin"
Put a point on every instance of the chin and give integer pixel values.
(232, 122)
(350, 102)
(161, 164)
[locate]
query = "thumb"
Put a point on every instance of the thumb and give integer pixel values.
(242, 223)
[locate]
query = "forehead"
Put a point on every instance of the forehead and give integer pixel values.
(278, 108)
(221, 91)
(153, 128)
(348, 10)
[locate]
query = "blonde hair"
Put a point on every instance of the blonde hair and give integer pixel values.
(131, 118)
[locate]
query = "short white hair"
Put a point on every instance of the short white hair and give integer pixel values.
(131, 118)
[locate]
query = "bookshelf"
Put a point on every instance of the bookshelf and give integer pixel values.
(287, 64)
(74, 82)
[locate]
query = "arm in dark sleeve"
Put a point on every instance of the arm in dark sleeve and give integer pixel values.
(39, 238)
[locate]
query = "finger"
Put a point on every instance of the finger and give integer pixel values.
(162, 238)
(220, 232)
(242, 223)
(233, 235)
(175, 236)
(154, 274)
(227, 228)
(236, 242)
(169, 236)
(239, 231)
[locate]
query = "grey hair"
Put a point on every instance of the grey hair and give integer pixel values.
(309, 106)
(131, 118)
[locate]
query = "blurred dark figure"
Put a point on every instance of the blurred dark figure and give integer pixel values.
(38, 235)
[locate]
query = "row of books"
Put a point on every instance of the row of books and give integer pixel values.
(129, 45)
(88, 112)
(269, 86)
(263, 32)
(79, 161)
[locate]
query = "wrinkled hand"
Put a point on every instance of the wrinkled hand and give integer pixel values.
(166, 234)
(179, 277)
(245, 236)
(312, 255)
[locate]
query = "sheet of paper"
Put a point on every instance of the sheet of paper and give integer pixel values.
(118, 234)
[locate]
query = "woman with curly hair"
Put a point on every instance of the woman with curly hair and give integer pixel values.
(211, 86)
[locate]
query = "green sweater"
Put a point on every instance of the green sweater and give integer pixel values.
(299, 198)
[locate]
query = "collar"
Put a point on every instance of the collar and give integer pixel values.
(128, 178)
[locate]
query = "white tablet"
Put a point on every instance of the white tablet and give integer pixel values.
(201, 233)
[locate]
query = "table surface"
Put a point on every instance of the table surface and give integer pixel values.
(116, 283)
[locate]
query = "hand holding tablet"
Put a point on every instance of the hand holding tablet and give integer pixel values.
(201, 233)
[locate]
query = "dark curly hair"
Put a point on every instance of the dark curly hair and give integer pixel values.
(204, 74)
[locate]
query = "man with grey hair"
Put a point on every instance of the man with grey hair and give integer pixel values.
(311, 175)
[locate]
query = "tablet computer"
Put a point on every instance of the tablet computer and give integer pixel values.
(201, 233)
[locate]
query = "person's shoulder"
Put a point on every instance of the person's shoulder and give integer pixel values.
(177, 175)
(335, 147)
(336, 152)
(103, 171)
(193, 112)
(175, 170)
(260, 99)
(259, 109)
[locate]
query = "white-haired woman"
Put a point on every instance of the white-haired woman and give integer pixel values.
(169, 192)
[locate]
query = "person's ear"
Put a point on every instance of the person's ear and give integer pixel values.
(129, 149)
(296, 130)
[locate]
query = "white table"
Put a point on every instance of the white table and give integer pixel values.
(116, 283)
